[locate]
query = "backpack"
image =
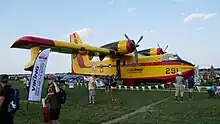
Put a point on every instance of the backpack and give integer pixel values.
(15, 100)
(62, 96)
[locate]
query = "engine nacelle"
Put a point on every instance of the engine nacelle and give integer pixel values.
(151, 51)
(122, 46)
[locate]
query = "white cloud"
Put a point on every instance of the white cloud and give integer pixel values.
(83, 33)
(195, 16)
(199, 28)
(149, 31)
(131, 9)
(208, 16)
(111, 1)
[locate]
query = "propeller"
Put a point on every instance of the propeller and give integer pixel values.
(135, 45)
(163, 50)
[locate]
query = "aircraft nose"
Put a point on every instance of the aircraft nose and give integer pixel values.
(187, 63)
(189, 66)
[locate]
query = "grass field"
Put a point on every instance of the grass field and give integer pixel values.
(78, 111)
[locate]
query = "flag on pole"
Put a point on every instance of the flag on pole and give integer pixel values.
(37, 76)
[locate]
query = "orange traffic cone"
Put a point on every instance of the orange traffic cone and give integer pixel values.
(46, 114)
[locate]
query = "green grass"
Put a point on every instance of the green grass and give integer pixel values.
(78, 111)
(201, 110)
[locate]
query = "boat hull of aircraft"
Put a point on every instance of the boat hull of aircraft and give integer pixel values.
(131, 74)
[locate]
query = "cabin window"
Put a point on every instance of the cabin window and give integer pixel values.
(170, 57)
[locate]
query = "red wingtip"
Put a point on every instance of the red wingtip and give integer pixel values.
(30, 41)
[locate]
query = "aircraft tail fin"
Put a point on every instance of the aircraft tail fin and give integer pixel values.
(74, 38)
(78, 60)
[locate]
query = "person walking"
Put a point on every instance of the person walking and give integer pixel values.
(179, 86)
(191, 84)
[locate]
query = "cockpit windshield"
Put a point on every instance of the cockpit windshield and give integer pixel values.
(168, 57)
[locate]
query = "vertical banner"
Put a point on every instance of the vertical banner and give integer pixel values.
(37, 76)
(197, 71)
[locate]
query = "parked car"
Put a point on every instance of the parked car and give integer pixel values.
(67, 78)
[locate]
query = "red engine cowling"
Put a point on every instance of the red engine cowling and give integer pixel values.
(122, 46)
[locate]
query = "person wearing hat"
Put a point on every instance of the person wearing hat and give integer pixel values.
(179, 86)
(5, 99)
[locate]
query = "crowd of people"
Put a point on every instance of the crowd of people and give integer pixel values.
(9, 97)
(55, 97)
(110, 85)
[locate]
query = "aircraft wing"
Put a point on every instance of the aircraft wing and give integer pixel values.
(29, 42)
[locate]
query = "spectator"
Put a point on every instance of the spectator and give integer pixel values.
(179, 86)
(191, 84)
(211, 90)
(106, 82)
(113, 85)
(26, 84)
(5, 99)
(91, 88)
(54, 104)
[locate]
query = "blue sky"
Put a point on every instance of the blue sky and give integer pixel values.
(196, 39)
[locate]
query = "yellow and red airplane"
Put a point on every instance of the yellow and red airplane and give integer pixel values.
(132, 66)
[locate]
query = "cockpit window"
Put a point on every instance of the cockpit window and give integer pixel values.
(168, 57)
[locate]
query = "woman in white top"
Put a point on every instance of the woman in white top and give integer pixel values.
(91, 88)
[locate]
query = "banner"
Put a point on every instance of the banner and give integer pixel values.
(197, 71)
(37, 76)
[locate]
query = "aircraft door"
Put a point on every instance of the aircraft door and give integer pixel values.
(118, 69)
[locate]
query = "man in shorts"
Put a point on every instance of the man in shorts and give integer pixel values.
(179, 86)
(91, 88)
(54, 104)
